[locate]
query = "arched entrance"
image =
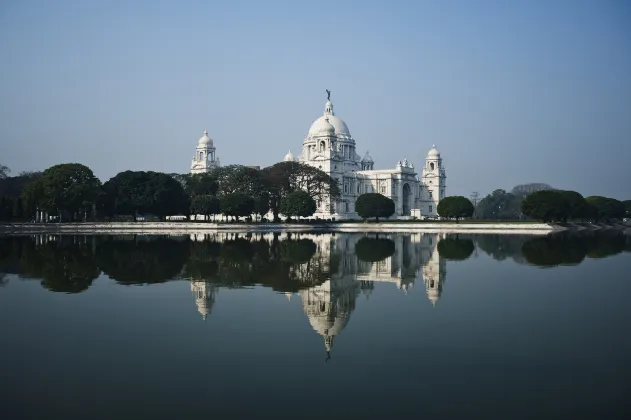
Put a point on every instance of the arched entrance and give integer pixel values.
(406, 199)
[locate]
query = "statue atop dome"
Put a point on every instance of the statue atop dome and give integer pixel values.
(328, 95)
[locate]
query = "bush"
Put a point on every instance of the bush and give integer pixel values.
(455, 207)
(374, 205)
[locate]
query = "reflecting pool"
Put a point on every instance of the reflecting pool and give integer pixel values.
(315, 326)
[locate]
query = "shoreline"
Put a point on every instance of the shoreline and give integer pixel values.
(185, 228)
(201, 228)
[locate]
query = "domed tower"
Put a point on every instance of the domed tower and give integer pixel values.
(205, 158)
(289, 157)
(367, 163)
(433, 183)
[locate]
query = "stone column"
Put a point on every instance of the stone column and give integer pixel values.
(400, 196)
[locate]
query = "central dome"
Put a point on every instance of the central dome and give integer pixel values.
(337, 123)
(341, 129)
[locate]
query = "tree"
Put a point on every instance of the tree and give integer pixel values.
(237, 179)
(475, 199)
(261, 204)
(69, 189)
(374, 205)
(545, 205)
(237, 205)
(455, 207)
(4, 171)
(627, 207)
(298, 203)
(574, 205)
(455, 249)
(206, 205)
(607, 208)
(374, 249)
(499, 205)
(202, 184)
(284, 178)
(139, 192)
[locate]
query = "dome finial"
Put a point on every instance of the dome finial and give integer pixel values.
(328, 108)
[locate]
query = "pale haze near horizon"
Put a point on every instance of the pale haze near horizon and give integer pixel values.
(510, 92)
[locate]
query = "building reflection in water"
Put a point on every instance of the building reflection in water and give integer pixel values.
(328, 306)
(204, 293)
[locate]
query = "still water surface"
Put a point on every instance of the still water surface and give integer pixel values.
(315, 326)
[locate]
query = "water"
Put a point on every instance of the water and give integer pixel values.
(326, 326)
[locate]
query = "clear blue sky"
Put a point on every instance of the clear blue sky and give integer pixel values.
(510, 91)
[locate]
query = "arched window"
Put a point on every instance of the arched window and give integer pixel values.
(322, 146)
(431, 166)
(201, 155)
(346, 206)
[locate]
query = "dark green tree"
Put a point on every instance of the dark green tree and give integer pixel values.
(206, 205)
(202, 184)
(69, 189)
(574, 204)
(297, 204)
(455, 249)
(262, 204)
(455, 207)
(374, 249)
(607, 208)
(547, 206)
(134, 193)
(237, 205)
(375, 205)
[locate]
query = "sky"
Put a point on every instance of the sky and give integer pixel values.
(510, 92)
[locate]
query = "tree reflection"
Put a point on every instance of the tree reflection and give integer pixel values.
(455, 249)
(285, 265)
(501, 247)
(138, 259)
(374, 249)
(63, 264)
(572, 248)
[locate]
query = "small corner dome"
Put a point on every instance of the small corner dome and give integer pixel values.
(289, 157)
(433, 152)
(367, 158)
(205, 140)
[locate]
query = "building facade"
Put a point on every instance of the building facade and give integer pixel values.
(330, 147)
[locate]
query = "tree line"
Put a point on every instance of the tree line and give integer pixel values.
(72, 192)
(545, 202)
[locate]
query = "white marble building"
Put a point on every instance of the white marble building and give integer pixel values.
(330, 147)
(205, 157)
